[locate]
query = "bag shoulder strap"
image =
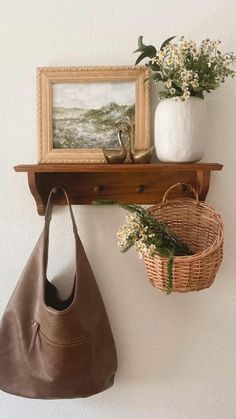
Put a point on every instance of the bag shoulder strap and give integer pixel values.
(50, 203)
(48, 216)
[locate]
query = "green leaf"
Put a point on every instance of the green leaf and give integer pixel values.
(212, 85)
(203, 65)
(147, 50)
(169, 283)
(127, 247)
(198, 94)
(141, 45)
(167, 42)
(140, 58)
(154, 67)
(157, 77)
(105, 202)
(140, 41)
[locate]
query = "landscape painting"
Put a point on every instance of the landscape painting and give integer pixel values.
(81, 110)
(88, 115)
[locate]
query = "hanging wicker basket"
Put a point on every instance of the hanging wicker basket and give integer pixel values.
(201, 228)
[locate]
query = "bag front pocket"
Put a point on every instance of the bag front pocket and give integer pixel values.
(66, 359)
(37, 329)
(63, 343)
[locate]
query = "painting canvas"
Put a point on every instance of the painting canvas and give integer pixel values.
(88, 115)
(82, 109)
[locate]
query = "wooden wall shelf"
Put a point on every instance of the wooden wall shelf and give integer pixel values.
(127, 183)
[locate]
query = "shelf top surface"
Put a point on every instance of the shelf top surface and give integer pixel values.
(112, 168)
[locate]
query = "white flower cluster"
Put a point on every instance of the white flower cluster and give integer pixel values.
(135, 234)
(187, 69)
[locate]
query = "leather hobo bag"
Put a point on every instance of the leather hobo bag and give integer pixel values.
(51, 348)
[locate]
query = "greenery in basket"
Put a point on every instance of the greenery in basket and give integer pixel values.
(185, 68)
(149, 237)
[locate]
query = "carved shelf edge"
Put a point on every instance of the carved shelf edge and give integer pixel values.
(136, 183)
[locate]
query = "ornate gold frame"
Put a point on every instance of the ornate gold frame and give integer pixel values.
(47, 76)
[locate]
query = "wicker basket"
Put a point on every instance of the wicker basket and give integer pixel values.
(201, 228)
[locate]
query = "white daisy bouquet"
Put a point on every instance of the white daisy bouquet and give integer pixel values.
(149, 236)
(185, 68)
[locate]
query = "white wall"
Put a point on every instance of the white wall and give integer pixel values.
(176, 353)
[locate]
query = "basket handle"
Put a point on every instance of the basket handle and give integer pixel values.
(179, 184)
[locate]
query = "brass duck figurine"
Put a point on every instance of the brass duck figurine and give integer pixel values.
(141, 156)
(116, 156)
(136, 156)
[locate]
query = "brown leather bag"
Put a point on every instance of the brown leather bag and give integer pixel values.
(51, 348)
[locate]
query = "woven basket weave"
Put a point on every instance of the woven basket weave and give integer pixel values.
(201, 228)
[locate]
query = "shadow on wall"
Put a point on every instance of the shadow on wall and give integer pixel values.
(157, 336)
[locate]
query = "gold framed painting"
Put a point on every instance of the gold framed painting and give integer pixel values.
(81, 109)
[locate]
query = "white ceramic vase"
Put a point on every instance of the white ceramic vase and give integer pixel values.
(180, 130)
